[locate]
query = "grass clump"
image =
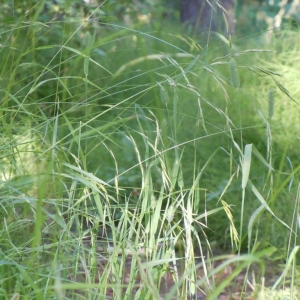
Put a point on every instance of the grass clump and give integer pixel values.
(136, 166)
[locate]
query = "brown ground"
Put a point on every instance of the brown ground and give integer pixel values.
(239, 288)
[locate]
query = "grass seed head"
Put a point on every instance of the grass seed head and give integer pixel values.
(170, 213)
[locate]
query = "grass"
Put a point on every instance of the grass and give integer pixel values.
(134, 165)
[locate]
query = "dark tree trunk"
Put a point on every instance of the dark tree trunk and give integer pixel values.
(208, 15)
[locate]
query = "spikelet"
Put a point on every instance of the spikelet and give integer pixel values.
(153, 202)
(87, 39)
(271, 103)
(234, 74)
(170, 213)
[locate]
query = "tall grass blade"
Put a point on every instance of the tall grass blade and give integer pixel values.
(246, 165)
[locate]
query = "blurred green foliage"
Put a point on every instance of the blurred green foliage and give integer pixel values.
(251, 15)
(256, 15)
(37, 31)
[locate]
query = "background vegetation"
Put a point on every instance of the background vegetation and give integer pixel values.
(142, 160)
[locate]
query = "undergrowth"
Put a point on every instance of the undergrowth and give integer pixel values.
(140, 165)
